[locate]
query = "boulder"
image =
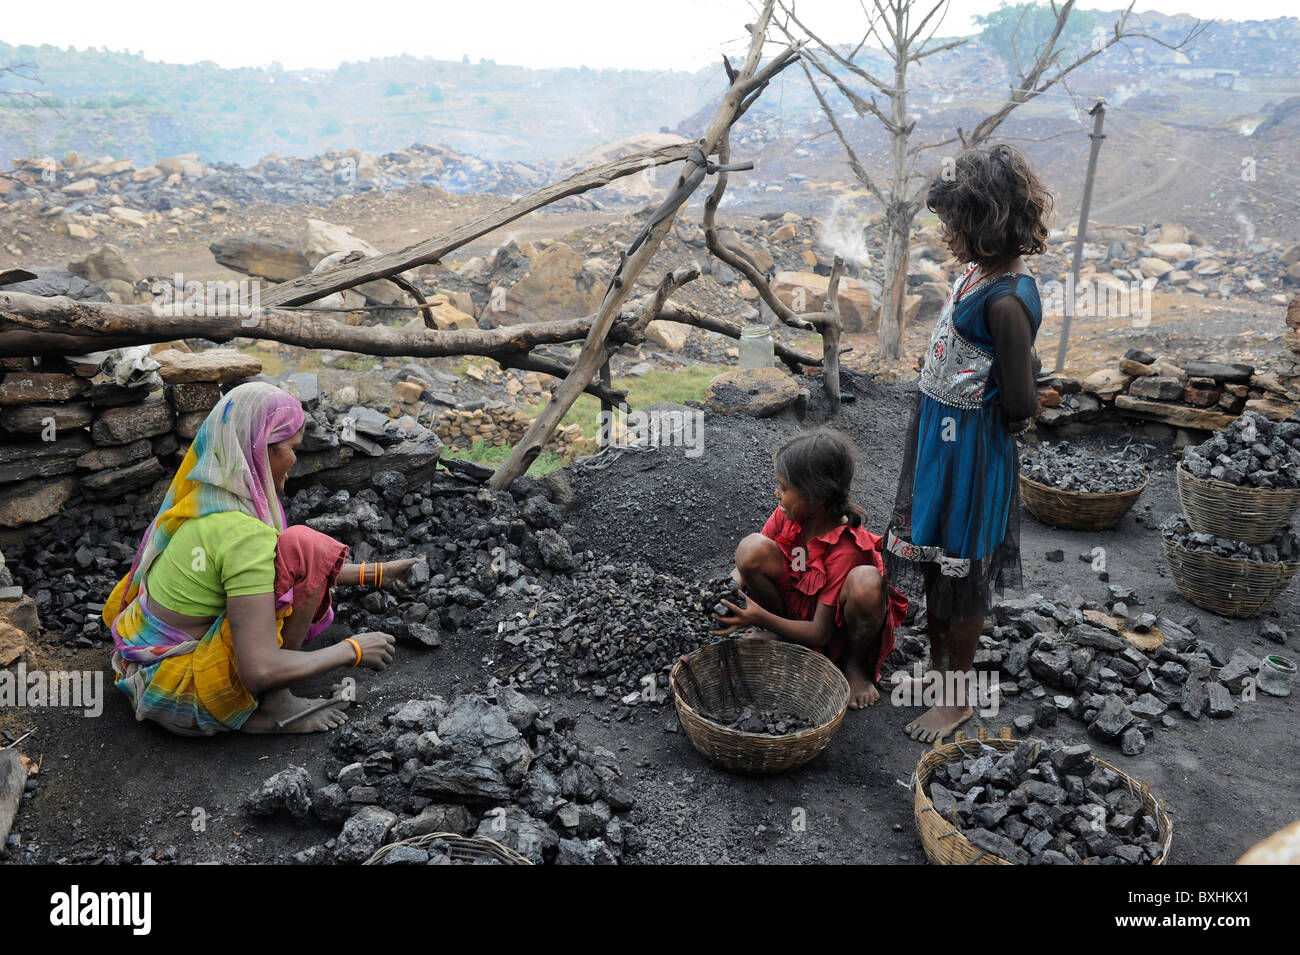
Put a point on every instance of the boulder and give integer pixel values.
(1107, 383)
(669, 335)
(215, 364)
(104, 263)
(806, 292)
(27, 502)
(555, 287)
(260, 257)
(757, 392)
(363, 834)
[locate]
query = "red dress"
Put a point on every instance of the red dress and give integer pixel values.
(816, 576)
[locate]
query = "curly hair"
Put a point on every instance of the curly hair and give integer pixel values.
(819, 465)
(992, 204)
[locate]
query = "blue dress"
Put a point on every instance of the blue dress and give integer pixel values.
(955, 519)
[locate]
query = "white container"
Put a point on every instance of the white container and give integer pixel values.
(756, 347)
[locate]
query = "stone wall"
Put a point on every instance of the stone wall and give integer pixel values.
(70, 428)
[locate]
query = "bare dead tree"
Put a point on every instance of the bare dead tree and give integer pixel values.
(905, 30)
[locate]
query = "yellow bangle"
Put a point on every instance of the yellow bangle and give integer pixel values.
(357, 647)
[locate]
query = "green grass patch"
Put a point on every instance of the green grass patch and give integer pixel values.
(491, 456)
(357, 363)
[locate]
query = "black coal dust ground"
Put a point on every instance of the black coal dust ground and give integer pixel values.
(109, 784)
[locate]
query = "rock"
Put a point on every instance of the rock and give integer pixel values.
(555, 287)
(1194, 699)
(1113, 718)
(215, 364)
(21, 461)
(287, 791)
(129, 423)
(516, 829)
(1219, 700)
(1157, 387)
(13, 644)
(29, 387)
(363, 834)
(260, 258)
(585, 852)
(1148, 706)
(1133, 743)
(476, 727)
(554, 549)
(440, 817)
(113, 482)
(104, 263)
(189, 397)
(1180, 416)
(1271, 631)
(52, 281)
(35, 418)
(669, 335)
(757, 392)
(1241, 664)
(1050, 666)
(1107, 383)
(27, 502)
(806, 292)
(1221, 371)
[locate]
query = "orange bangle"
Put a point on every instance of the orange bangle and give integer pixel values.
(362, 582)
(357, 647)
(380, 584)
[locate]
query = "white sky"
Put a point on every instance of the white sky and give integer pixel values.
(643, 34)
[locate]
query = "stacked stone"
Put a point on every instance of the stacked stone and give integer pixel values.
(498, 426)
(1197, 395)
(70, 429)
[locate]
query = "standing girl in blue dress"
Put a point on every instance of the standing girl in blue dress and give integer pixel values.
(954, 534)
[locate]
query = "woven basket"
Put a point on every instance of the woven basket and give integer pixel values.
(945, 845)
(1077, 510)
(1249, 514)
(775, 675)
(1228, 586)
(1281, 848)
(467, 848)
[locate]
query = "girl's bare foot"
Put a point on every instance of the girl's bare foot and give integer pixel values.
(862, 691)
(937, 722)
(280, 704)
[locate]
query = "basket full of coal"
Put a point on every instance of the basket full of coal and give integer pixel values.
(1026, 802)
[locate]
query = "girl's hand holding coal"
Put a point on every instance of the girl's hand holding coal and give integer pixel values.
(748, 616)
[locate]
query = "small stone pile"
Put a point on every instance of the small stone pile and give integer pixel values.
(1285, 545)
(1070, 659)
(492, 765)
(500, 426)
(1053, 806)
(608, 628)
(1198, 394)
(102, 424)
(1251, 452)
(1076, 468)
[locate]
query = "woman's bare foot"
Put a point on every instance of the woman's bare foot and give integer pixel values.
(937, 722)
(862, 691)
(277, 705)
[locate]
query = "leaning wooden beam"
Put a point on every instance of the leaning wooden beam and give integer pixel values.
(308, 288)
(528, 361)
(639, 254)
(831, 336)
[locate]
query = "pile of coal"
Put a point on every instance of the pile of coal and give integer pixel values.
(767, 722)
(1070, 659)
(1251, 452)
(493, 765)
(1039, 805)
(1284, 546)
(1073, 467)
(613, 630)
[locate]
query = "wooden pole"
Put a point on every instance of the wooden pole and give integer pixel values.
(1099, 113)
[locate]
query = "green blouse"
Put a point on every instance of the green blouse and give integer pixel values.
(211, 558)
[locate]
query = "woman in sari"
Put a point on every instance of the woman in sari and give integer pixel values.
(210, 623)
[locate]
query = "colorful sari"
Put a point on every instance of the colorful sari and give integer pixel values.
(191, 686)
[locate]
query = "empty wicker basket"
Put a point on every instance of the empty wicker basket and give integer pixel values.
(465, 848)
(943, 842)
(776, 675)
(1077, 510)
(1228, 586)
(1249, 514)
